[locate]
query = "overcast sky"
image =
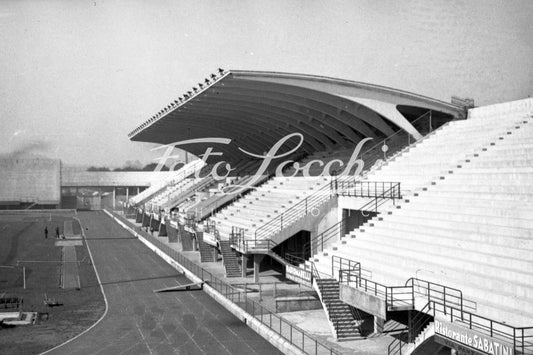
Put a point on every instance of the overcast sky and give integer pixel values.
(78, 76)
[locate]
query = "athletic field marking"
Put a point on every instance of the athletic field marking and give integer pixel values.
(101, 288)
(142, 336)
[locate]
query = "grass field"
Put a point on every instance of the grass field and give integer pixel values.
(22, 242)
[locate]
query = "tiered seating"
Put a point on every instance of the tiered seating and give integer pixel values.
(270, 199)
(160, 186)
(264, 203)
(166, 194)
(467, 221)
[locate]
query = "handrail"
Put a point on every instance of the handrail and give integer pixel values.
(292, 214)
(201, 184)
(404, 296)
(181, 174)
(344, 264)
(297, 261)
(417, 325)
(521, 338)
(379, 200)
(319, 240)
(316, 199)
(378, 146)
(369, 189)
(437, 292)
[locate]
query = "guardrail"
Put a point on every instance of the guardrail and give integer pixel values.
(521, 338)
(409, 335)
(304, 207)
(344, 265)
(436, 292)
(381, 192)
(369, 189)
(395, 297)
(404, 296)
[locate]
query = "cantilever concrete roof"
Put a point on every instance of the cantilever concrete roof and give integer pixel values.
(256, 109)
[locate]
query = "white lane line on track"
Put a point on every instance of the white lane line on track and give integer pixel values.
(216, 317)
(146, 305)
(143, 338)
(101, 289)
(251, 349)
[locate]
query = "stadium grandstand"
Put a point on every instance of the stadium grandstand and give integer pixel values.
(427, 224)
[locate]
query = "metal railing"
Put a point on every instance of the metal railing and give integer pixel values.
(344, 265)
(394, 143)
(296, 336)
(380, 192)
(308, 205)
(369, 189)
(397, 141)
(409, 335)
(177, 197)
(521, 338)
(449, 296)
(395, 297)
(317, 243)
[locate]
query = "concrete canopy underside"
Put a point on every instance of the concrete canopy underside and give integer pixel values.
(257, 109)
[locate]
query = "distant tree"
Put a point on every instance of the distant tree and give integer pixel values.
(98, 168)
(152, 166)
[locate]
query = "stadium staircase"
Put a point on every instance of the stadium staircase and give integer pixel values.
(229, 259)
(466, 219)
(207, 252)
(422, 329)
(339, 314)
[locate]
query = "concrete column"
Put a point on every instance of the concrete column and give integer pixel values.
(215, 254)
(244, 262)
(379, 324)
(257, 262)
(114, 196)
(163, 228)
(127, 193)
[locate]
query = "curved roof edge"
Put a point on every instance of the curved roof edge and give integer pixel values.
(341, 88)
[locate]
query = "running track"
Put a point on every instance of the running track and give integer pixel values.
(139, 321)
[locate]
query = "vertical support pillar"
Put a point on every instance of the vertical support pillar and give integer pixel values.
(379, 325)
(127, 193)
(194, 240)
(244, 263)
(114, 196)
(257, 262)
(410, 334)
(163, 228)
(215, 254)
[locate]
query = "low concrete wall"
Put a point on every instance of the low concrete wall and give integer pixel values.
(261, 329)
(294, 304)
(364, 301)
